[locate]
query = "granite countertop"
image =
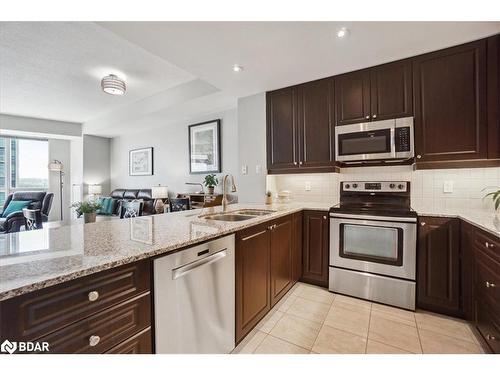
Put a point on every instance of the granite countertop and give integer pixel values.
(37, 259)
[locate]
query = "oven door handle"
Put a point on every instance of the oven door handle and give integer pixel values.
(376, 218)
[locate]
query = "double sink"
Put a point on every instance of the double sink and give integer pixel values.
(239, 215)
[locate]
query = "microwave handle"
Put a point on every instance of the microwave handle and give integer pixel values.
(393, 142)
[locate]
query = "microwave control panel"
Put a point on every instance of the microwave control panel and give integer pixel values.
(402, 139)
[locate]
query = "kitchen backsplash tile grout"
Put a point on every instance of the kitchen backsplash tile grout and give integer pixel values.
(426, 185)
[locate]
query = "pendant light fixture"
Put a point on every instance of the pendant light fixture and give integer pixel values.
(113, 85)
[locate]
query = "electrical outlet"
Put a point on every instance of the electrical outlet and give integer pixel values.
(258, 169)
(244, 169)
(308, 186)
(448, 187)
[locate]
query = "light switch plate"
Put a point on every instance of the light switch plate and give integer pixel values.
(244, 169)
(448, 187)
(308, 186)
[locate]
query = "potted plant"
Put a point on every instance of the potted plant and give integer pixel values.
(88, 209)
(210, 182)
(495, 196)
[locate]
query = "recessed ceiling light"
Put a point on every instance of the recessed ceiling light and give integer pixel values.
(237, 68)
(113, 85)
(342, 33)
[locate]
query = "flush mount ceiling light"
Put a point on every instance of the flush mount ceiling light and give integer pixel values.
(113, 85)
(237, 68)
(342, 33)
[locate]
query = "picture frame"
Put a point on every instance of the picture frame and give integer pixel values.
(205, 147)
(140, 162)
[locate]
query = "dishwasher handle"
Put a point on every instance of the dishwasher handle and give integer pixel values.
(181, 271)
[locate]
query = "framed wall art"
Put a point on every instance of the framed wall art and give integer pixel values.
(140, 162)
(205, 147)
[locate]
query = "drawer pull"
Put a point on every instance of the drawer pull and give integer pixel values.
(490, 337)
(422, 223)
(490, 285)
(93, 296)
(94, 340)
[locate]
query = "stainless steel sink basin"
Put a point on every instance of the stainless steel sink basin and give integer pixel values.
(254, 212)
(228, 217)
(239, 215)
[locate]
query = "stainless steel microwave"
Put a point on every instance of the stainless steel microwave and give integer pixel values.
(387, 140)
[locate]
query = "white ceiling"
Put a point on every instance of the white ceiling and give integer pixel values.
(178, 70)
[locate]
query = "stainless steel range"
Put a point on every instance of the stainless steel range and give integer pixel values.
(373, 235)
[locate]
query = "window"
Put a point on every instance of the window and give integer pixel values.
(23, 165)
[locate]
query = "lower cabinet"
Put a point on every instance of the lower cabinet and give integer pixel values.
(93, 314)
(264, 270)
(315, 248)
(297, 246)
(438, 265)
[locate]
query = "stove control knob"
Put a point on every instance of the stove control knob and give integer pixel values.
(392, 186)
(354, 186)
(347, 186)
(401, 186)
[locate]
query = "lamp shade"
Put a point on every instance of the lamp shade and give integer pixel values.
(159, 192)
(95, 189)
(56, 166)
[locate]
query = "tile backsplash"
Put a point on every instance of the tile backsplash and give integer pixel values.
(427, 186)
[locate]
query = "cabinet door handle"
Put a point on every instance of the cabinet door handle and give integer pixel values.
(422, 223)
(367, 117)
(374, 116)
(490, 337)
(94, 340)
(300, 163)
(419, 156)
(93, 295)
(295, 163)
(324, 217)
(490, 285)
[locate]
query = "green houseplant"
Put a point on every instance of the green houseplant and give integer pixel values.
(210, 182)
(88, 209)
(495, 196)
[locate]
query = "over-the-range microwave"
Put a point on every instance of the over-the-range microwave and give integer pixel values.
(386, 140)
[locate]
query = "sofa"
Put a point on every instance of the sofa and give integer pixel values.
(134, 194)
(40, 200)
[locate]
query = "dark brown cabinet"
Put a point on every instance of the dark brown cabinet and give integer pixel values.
(92, 314)
(380, 93)
(438, 265)
(493, 52)
(297, 247)
(315, 248)
(299, 128)
(315, 122)
(253, 277)
(264, 270)
(450, 104)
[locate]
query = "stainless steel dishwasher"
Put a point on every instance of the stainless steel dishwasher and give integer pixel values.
(194, 299)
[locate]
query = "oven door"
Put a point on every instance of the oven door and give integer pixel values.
(380, 245)
(365, 141)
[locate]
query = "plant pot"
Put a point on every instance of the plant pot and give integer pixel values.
(211, 190)
(89, 217)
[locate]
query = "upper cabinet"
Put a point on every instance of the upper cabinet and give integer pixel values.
(380, 93)
(450, 104)
(352, 97)
(299, 128)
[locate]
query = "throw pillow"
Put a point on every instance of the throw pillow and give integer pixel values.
(15, 206)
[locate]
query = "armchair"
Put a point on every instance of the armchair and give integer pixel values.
(40, 200)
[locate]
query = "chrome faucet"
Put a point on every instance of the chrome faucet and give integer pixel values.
(224, 194)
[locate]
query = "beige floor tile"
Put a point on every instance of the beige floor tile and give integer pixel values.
(269, 321)
(351, 303)
(317, 294)
(456, 328)
(375, 347)
(250, 343)
(287, 302)
(350, 320)
(298, 331)
(297, 289)
(314, 311)
(335, 341)
(393, 313)
(436, 343)
(273, 345)
(395, 334)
